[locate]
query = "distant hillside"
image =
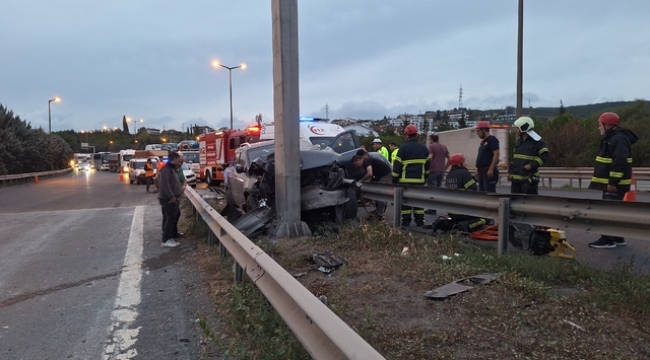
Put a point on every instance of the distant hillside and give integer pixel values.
(581, 111)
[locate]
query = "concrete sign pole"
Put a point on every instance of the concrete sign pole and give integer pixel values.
(286, 109)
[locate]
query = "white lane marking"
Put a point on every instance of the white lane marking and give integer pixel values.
(121, 337)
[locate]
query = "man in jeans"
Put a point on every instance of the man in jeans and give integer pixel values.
(170, 191)
(439, 154)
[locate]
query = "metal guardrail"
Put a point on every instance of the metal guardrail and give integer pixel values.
(582, 174)
(322, 333)
(619, 218)
(8, 178)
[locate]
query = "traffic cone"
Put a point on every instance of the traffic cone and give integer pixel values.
(121, 177)
(36, 179)
(631, 195)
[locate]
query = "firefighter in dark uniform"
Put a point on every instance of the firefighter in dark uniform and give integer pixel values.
(411, 166)
(459, 178)
(613, 168)
(530, 153)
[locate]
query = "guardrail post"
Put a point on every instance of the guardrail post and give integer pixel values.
(212, 239)
(223, 252)
(397, 208)
(504, 225)
(239, 273)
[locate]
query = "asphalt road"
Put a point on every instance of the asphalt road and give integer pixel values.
(83, 275)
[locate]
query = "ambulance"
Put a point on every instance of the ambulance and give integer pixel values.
(319, 132)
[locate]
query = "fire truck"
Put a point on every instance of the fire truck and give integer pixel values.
(216, 150)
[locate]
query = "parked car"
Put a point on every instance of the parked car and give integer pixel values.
(192, 160)
(189, 175)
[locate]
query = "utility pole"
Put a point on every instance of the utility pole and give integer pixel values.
(520, 55)
(286, 109)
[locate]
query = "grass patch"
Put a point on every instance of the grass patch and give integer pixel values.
(539, 308)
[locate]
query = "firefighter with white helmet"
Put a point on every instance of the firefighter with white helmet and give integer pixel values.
(613, 168)
(529, 154)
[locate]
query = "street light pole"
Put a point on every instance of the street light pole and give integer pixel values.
(230, 68)
(49, 111)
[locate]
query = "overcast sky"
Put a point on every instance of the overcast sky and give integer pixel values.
(151, 59)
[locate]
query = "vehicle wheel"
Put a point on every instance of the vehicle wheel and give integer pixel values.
(350, 207)
(130, 181)
(209, 179)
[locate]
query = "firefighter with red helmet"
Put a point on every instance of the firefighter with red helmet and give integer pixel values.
(459, 177)
(530, 153)
(411, 166)
(613, 168)
(487, 159)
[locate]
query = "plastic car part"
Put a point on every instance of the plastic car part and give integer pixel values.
(254, 220)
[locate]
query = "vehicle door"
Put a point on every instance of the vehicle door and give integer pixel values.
(346, 143)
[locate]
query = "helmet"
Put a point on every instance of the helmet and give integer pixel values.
(377, 141)
(483, 125)
(524, 124)
(609, 118)
(410, 130)
(456, 159)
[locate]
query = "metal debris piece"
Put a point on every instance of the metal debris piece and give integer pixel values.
(326, 263)
(460, 285)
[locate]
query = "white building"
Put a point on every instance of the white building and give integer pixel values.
(361, 130)
(152, 131)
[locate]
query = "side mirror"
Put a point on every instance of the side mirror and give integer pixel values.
(239, 168)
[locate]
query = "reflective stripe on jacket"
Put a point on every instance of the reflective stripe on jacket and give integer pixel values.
(411, 163)
(528, 152)
(460, 178)
(613, 165)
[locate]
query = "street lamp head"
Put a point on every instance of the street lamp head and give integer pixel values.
(243, 66)
(216, 64)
